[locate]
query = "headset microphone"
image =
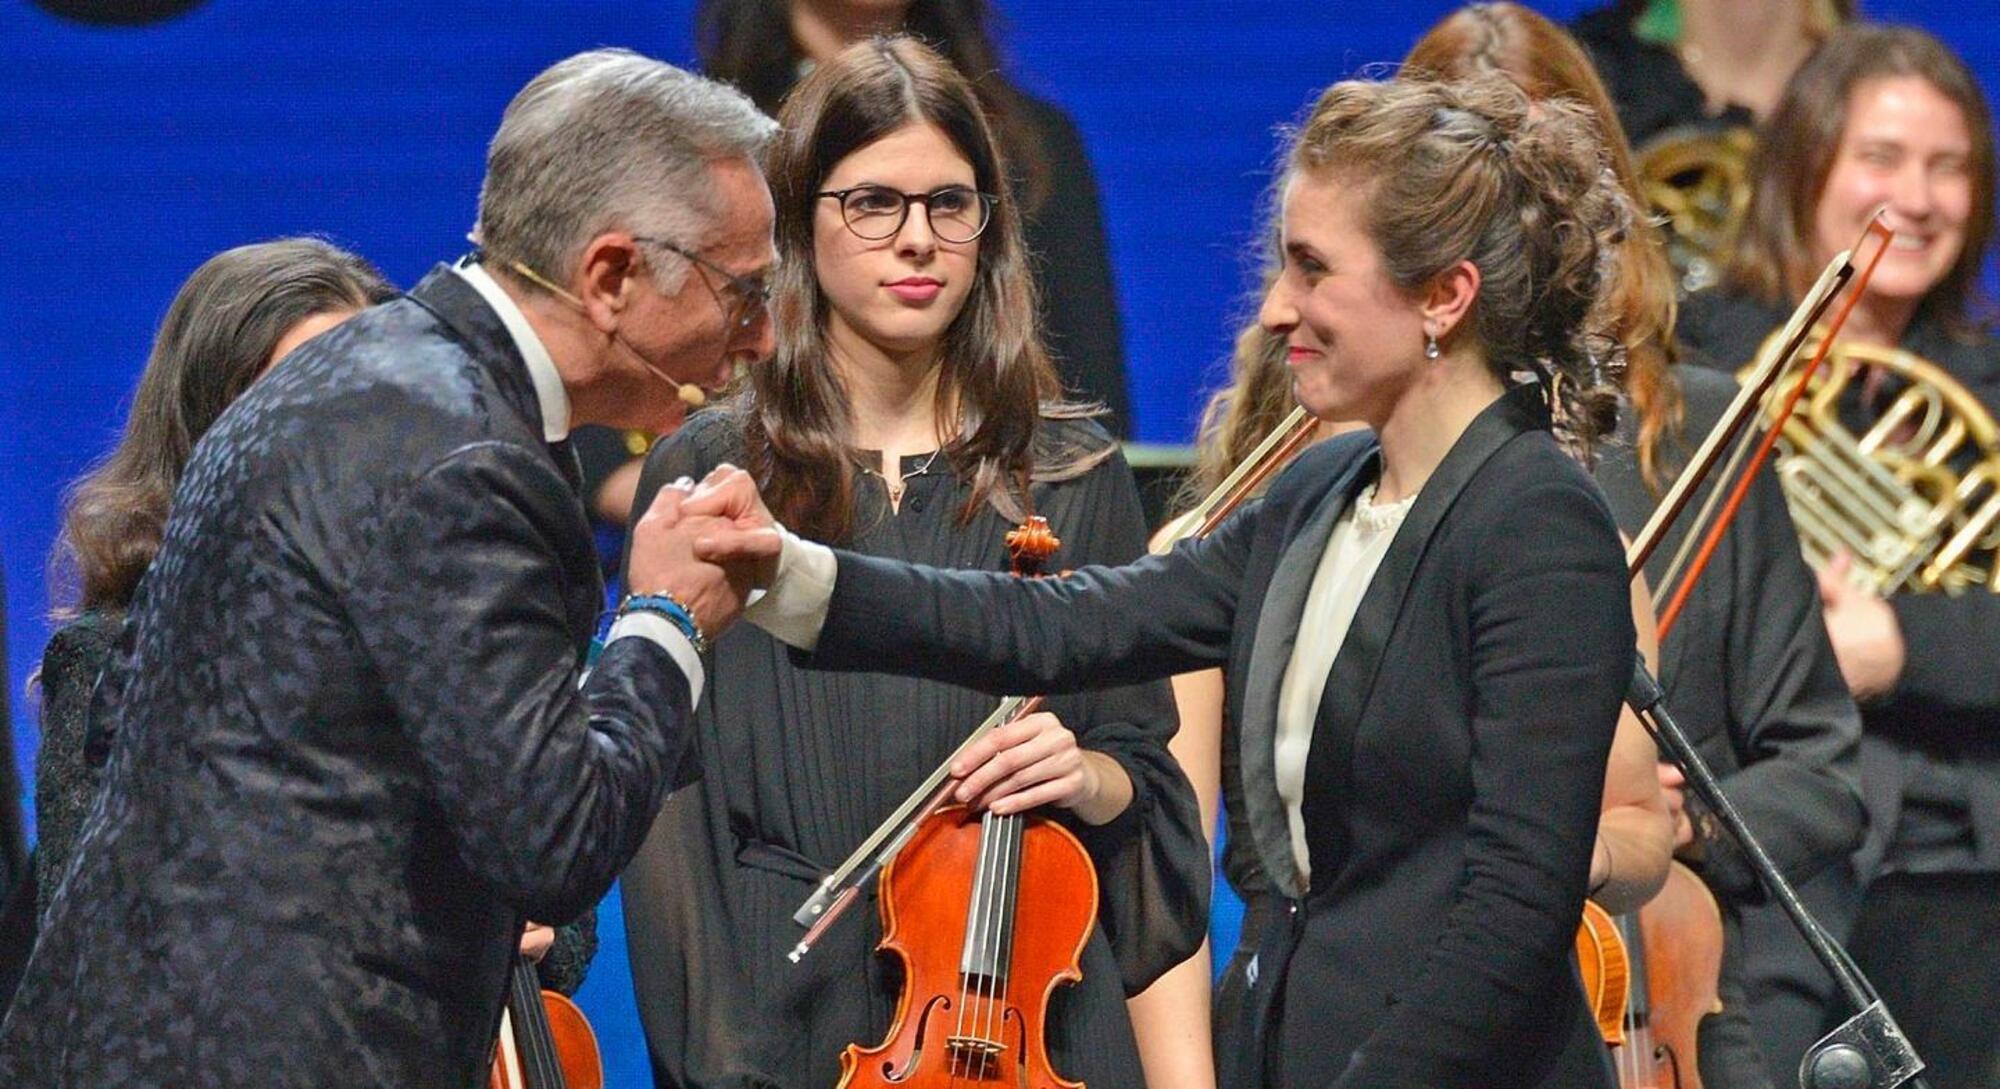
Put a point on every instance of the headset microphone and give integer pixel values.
(690, 394)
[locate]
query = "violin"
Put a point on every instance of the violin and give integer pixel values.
(989, 914)
(837, 891)
(545, 1042)
(1649, 977)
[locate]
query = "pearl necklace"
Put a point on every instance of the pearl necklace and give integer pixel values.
(1369, 518)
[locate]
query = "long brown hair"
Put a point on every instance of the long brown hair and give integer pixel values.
(1774, 260)
(749, 43)
(217, 337)
(995, 381)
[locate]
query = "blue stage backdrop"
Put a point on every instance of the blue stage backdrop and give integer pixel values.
(133, 154)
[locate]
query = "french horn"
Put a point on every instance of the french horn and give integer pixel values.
(1915, 496)
(1697, 181)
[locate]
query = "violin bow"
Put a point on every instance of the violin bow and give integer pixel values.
(1839, 274)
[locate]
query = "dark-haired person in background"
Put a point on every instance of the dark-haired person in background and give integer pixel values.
(909, 412)
(233, 319)
(1886, 117)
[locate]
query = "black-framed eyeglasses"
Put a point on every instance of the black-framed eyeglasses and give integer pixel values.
(752, 297)
(956, 213)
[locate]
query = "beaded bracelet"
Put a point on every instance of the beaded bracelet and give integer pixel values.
(671, 607)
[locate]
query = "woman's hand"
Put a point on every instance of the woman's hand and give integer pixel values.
(1672, 786)
(1867, 640)
(536, 940)
(1034, 761)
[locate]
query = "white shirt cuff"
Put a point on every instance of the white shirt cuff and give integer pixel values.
(662, 631)
(793, 609)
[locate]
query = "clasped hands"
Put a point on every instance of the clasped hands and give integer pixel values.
(712, 544)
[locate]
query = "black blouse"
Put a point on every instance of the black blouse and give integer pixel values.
(800, 765)
(1649, 88)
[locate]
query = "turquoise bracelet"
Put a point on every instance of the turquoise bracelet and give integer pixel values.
(671, 607)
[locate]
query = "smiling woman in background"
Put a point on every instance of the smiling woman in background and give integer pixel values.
(1886, 117)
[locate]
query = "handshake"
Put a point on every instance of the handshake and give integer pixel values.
(708, 544)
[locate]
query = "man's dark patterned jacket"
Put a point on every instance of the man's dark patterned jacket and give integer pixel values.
(351, 752)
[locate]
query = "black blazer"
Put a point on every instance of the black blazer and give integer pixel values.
(349, 749)
(1454, 780)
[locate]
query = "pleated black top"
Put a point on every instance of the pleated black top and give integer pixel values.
(799, 766)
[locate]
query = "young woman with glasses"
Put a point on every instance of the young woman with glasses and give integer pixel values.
(909, 412)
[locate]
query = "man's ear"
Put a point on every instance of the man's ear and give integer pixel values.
(1448, 299)
(604, 277)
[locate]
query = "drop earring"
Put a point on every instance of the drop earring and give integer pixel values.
(1431, 350)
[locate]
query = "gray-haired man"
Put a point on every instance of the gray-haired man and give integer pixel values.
(352, 752)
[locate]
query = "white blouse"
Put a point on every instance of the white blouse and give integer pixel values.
(1353, 552)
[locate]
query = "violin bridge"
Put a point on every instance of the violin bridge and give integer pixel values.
(976, 1045)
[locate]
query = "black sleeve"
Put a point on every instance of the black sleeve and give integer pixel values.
(1552, 651)
(1949, 642)
(1072, 262)
(1798, 733)
(1095, 627)
(66, 777)
(1152, 859)
(568, 960)
(548, 787)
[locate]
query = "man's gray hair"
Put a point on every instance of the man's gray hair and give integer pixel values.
(611, 140)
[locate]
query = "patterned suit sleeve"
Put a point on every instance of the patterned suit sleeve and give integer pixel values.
(548, 788)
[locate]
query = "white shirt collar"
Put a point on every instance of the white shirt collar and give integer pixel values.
(549, 391)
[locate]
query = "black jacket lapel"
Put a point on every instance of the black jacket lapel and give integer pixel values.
(1284, 601)
(466, 313)
(1329, 762)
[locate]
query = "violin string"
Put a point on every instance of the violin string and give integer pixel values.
(964, 983)
(1010, 890)
(524, 1044)
(968, 956)
(1003, 939)
(989, 918)
(544, 1047)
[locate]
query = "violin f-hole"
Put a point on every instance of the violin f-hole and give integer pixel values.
(889, 1072)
